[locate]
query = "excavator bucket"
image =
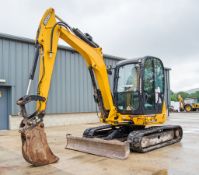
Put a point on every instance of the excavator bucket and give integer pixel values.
(35, 147)
(106, 148)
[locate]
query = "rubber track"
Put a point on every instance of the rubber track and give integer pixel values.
(135, 138)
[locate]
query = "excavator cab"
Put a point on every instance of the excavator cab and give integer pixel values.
(139, 86)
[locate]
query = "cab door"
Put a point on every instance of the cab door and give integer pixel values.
(159, 85)
(153, 85)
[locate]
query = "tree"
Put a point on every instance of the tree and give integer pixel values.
(183, 94)
(195, 95)
(174, 96)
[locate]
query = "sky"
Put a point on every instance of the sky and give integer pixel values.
(167, 29)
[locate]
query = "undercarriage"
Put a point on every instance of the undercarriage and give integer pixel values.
(117, 141)
(141, 139)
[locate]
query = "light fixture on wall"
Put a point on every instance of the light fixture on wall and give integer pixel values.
(2, 81)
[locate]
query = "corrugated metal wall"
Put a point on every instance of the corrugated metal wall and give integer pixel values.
(71, 89)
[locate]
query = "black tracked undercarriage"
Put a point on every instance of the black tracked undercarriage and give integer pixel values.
(140, 139)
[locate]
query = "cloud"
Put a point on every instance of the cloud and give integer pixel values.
(184, 75)
(165, 29)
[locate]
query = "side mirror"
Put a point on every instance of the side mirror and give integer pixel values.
(109, 72)
(109, 69)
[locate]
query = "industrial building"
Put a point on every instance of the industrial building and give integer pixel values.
(71, 89)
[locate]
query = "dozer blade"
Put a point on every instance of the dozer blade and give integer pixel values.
(35, 147)
(111, 149)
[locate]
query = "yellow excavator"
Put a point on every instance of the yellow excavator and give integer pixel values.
(132, 114)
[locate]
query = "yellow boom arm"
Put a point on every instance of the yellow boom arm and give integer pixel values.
(49, 32)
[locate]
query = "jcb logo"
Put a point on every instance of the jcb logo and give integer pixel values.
(46, 19)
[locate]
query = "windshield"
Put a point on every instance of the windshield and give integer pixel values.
(190, 100)
(128, 87)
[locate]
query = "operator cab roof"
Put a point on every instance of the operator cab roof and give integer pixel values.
(135, 60)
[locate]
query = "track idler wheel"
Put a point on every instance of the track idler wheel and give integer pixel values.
(35, 147)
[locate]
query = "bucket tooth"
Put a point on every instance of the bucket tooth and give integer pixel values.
(106, 148)
(35, 147)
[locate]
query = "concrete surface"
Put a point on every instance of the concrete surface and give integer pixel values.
(59, 119)
(181, 158)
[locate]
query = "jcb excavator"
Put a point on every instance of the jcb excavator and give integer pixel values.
(132, 114)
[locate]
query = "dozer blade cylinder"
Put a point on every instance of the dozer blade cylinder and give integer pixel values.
(106, 148)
